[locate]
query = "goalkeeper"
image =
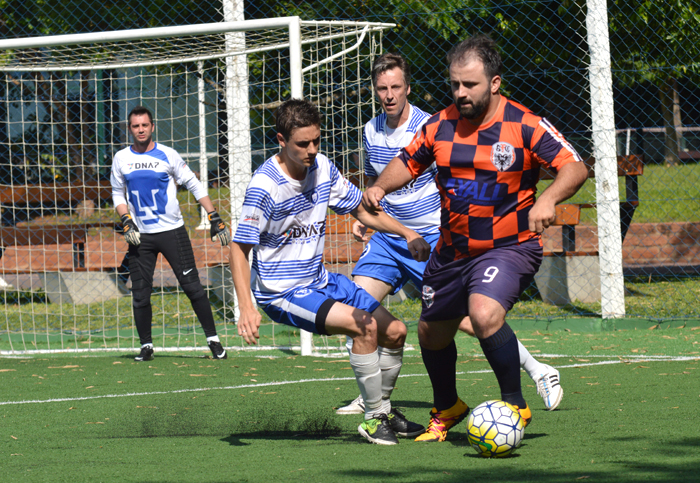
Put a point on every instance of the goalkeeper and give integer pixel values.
(144, 194)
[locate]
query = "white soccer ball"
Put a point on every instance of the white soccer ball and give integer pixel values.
(495, 429)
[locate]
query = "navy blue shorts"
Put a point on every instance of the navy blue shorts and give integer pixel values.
(501, 274)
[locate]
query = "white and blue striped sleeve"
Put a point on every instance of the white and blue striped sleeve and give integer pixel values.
(344, 196)
(258, 206)
(369, 169)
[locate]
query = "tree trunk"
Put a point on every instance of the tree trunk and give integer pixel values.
(670, 107)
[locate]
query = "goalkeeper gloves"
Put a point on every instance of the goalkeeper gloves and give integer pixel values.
(131, 232)
(218, 229)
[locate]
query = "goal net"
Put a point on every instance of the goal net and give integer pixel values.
(213, 89)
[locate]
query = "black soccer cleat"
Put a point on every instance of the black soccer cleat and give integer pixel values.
(378, 431)
(217, 350)
(146, 354)
(402, 426)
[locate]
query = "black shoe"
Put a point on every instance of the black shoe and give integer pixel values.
(378, 431)
(145, 355)
(217, 350)
(402, 426)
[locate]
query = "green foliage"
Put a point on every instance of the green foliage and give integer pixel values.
(652, 40)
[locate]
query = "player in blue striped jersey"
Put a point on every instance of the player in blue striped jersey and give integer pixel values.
(385, 266)
(283, 224)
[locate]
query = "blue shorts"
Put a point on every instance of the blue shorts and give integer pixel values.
(307, 308)
(501, 274)
(388, 259)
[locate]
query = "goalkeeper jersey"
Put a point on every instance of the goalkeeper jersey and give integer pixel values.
(286, 221)
(487, 174)
(416, 205)
(145, 182)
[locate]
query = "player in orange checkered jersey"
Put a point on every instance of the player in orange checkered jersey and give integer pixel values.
(488, 151)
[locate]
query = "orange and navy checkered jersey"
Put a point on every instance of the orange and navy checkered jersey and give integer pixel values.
(487, 175)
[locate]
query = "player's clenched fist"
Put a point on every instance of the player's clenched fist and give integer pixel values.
(419, 249)
(371, 198)
(131, 231)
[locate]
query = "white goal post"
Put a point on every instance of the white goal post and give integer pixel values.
(213, 89)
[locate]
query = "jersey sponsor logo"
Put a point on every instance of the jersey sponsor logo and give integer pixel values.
(148, 165)
(475, 192)
(428, 296)
(302, 293)
(251, 219)
(502, 156)
(304, 233)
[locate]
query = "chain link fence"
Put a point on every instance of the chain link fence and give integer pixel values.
(547, 60)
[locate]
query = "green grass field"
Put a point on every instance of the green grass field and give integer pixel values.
(629, 414)
(666, 195)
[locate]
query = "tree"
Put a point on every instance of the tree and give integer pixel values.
(657, 42)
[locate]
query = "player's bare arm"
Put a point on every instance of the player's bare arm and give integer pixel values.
(249, 320)
(359, 231)
(569, 179)
(394, 176)
(380, 221)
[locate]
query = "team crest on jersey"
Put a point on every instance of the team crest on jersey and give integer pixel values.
(303, 292)
(502, 156)
(365, 251)
(428, 296)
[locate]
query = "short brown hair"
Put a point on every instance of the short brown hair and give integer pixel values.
(483, 48)
(138, 111)
(390, 61)
(296, 113)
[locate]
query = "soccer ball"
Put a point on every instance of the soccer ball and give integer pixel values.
(495, 429)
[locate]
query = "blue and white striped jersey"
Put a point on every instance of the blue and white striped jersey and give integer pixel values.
(145, 182)
(286, 221)
(416, 205)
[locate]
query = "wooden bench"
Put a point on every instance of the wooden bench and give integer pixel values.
(54, 193)
(75, 234)
(573, 274)
(568, 215)
(76, 285)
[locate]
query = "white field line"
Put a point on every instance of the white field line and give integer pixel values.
(627, 360)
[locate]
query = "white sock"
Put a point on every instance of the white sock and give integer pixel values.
(369, 380)
(147, 345)
(531, 365)
(214, 338)
(390, 361)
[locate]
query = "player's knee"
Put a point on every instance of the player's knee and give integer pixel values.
(395, 335)
(194, 290)
(484, 320)
(435, 336)
(141, 297)
(365, 327)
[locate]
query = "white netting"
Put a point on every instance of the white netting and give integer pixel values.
(66, 100)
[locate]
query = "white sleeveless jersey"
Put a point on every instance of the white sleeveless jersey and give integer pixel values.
(145, 182)
(286, 221)
(417, 205)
